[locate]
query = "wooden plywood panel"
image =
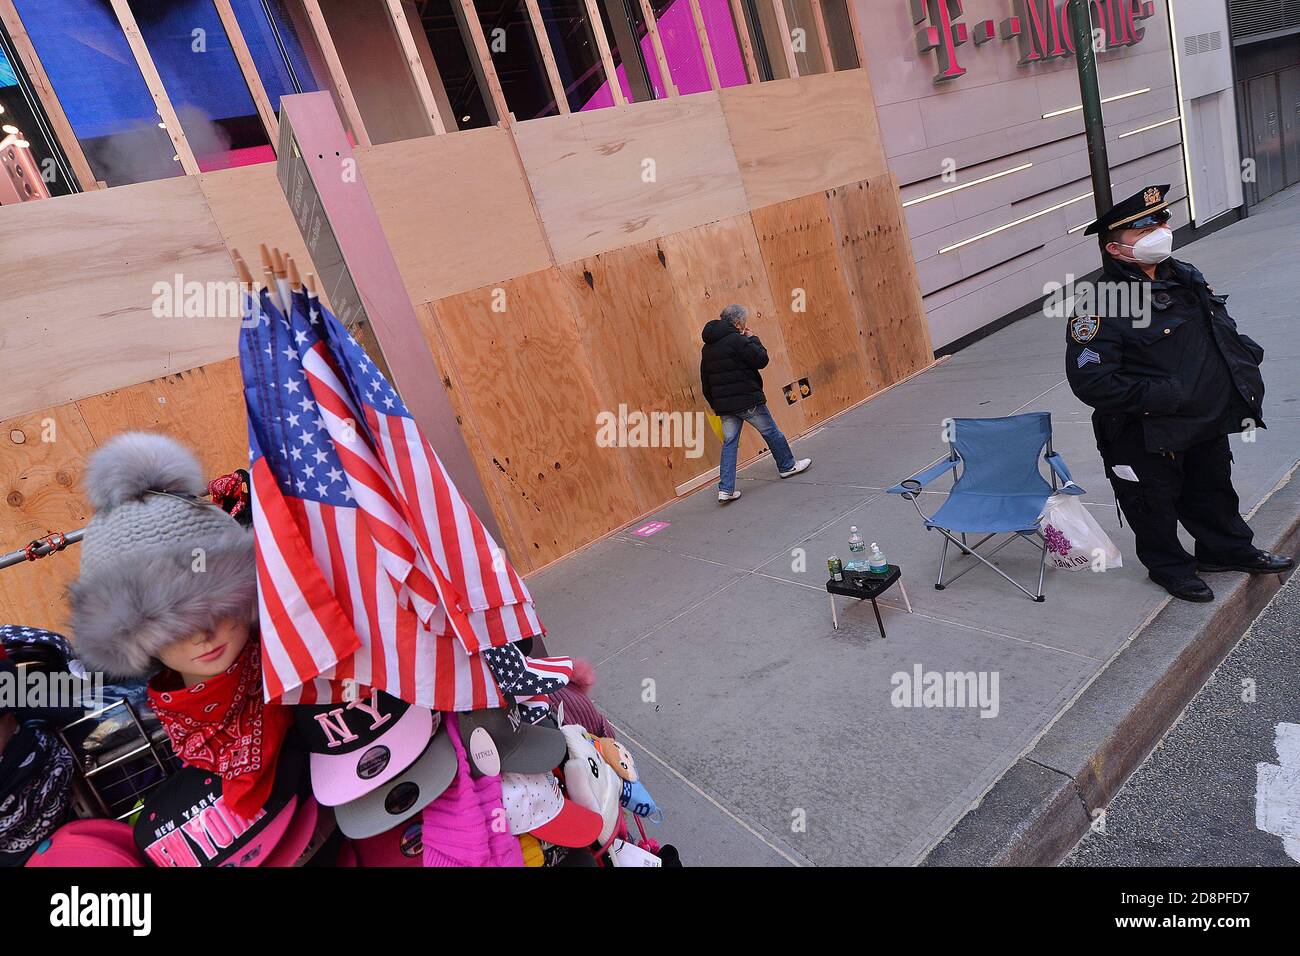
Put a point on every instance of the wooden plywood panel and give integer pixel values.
(202, 407)
(711, 267)
(824, 342)
(522, 375)
(40, 493)
(456, 211)
(876, 257)
(249, 207)
(793, 137)
(644, 355)
(79, 274)
(613, 177)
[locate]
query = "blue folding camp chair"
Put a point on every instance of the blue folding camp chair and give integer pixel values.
(999, 490)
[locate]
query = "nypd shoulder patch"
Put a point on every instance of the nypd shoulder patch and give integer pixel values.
(1088, 356)
(1083, 328)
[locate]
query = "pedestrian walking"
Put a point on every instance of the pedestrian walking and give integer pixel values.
(1169, 379)
(729, 373)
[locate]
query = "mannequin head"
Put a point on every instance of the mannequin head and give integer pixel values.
(205, 654)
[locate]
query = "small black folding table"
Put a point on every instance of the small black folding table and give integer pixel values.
(867, 586)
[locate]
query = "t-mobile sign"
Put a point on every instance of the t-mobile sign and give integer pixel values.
(1041, 27)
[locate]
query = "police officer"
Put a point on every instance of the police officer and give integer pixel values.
(1157, 356)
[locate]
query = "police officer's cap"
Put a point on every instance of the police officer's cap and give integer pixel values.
(1141, 204)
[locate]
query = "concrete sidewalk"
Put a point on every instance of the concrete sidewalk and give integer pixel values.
(769, 738)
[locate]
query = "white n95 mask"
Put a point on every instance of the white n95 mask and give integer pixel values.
(1154, 247)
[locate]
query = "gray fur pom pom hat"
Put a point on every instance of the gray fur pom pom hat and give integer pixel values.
(158, 563)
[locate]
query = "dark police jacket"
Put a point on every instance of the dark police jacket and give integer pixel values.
(1188, 375)
(729, 364)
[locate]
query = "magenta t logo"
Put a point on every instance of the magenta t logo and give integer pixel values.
(1042, 28)
(942, 35)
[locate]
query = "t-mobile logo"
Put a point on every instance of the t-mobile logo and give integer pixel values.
(1041, 27)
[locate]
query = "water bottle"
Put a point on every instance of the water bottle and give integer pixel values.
(856, 544)
(877, 562)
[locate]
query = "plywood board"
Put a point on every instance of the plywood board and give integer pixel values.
(40, 493)
(713, 266)
(644, 356)
(456, 211)
(794, 137)
(249, 208)
(201, 407)
(811, 297)
(524, 379)
(613, 177)
(499, 494)
(79, 275)
(876, 258)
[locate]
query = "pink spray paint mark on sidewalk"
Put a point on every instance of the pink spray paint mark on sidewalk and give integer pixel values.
(651, 527)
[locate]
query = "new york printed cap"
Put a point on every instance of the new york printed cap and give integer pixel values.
(357, 746)
(401, 798)
(186, 823)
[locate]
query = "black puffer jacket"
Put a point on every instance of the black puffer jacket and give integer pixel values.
(729, 364)
(1185, 371)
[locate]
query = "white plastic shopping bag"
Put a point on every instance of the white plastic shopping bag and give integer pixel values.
(1075, 542)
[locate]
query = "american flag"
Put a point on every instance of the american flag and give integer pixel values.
(372, 568)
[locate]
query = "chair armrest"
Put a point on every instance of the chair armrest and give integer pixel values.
(1062, 471)
(910, 487)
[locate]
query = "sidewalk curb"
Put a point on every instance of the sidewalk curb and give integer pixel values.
(1040, 808)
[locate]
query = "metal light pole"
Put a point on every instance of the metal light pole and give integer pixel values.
(1086, 59)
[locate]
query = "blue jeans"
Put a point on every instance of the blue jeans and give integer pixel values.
(760, 418)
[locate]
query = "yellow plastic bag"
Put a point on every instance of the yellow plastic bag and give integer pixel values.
(715, 423)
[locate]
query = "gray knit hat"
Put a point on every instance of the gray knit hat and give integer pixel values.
(158, 563)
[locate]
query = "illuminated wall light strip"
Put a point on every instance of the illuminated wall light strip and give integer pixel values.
(995, 231)
(1105, 99)
(1134, 132)
(973, 182)
(1178, 95)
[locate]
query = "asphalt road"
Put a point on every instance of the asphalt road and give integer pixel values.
(1202, 796)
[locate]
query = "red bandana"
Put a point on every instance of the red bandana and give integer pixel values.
(222, 725)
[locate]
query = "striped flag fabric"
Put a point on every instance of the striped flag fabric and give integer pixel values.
(373, 569)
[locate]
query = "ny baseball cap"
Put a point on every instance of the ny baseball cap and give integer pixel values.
(534, 804)
(522, 747)
(362, 744)
(405, 795)
(186, 822)
(401, 846)
(88, 843)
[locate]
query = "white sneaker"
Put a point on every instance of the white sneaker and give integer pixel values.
(724, 496)
(800, 465)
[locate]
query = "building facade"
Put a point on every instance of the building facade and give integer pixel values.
(570, 189)
(980, 115)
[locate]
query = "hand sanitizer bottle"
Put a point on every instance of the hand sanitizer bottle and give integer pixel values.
(877, 561)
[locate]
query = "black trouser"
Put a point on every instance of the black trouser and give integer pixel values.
(1192, 486)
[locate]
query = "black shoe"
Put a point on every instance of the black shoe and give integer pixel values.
(1264, 562)
(1190, 588)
